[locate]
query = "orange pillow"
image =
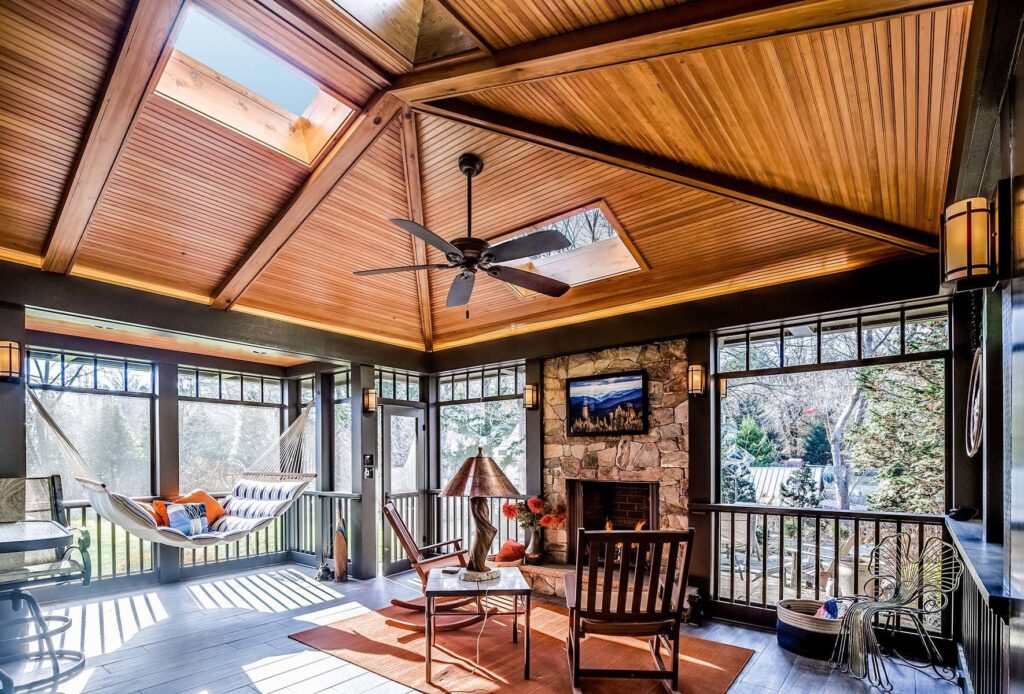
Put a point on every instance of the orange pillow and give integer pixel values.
(152, 511)
(213, 508)
(511, 551)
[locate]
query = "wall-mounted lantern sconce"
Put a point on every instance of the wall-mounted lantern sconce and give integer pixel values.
(530, 396)
(10, 361)
(696, 379)
(369, 400)
(968, 244)
(723, 387)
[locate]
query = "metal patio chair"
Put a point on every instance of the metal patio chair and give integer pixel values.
(905, 585)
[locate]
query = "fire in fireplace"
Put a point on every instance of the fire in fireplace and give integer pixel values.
(609, 505)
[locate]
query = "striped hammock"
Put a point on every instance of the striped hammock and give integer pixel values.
(268, 488)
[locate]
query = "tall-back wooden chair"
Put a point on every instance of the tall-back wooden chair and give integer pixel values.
(424, 559)
(629, 583)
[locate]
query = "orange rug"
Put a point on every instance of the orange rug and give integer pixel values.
(705, 667)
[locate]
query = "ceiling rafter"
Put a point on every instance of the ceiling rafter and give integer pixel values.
(414, 193)
(695, 25)
(660, 167)
(357, 139)
(145, 48)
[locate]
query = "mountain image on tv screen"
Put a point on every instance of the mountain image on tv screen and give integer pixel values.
(607, 404)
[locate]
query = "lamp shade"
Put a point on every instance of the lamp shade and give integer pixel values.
(10, 361)
(479, 476)
(968, 241)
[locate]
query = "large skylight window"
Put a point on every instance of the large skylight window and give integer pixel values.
(223, 74)
(599, 248)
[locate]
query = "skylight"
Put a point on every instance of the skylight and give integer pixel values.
(599, 248)
(227, 51)
(223, 74)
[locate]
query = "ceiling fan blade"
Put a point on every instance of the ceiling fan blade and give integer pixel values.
(420, 231)
(529, 280)
(401, 268)
(539, 242)
(462, 289)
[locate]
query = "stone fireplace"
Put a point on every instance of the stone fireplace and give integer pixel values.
(612, 505)
(655, 463)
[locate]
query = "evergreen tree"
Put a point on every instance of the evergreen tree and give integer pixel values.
(902, 436)
(801, 489)
(752, 438)
(817, 449)
(737, 483)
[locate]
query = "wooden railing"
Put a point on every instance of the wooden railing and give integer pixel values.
(114, 552)
(312, 521)
(763, 554)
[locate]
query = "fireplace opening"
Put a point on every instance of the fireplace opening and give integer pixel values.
(609, 505)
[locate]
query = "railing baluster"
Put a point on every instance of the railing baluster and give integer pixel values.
(817, 559)
(747, 559)
(782, 554)
(764, 560)
(798, 563)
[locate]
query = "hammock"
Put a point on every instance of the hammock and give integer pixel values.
(268, 488)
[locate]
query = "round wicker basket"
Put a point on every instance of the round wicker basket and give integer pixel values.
(799, 631)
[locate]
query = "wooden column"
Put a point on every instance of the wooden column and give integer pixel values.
(702, 464)
(166, 479)
(12, 398)
(323, 396)
(535, 431)
(363, 527)
(965, 483)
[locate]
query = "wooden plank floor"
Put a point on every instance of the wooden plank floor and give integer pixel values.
(230, 634)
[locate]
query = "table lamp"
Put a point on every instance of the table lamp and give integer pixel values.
(480, 478)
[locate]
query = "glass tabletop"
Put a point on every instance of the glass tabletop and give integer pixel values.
(31, 535)
(510, 582)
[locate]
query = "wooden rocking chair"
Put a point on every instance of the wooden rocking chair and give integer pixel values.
(423, 564)
(635, 586)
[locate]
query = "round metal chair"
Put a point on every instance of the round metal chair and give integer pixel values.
(907, 585)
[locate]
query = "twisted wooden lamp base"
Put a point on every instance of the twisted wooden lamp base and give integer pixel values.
(477, 569)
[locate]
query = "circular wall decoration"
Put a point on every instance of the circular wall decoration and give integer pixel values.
(975, 407)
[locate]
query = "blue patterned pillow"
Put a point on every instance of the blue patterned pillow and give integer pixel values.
(189, 519)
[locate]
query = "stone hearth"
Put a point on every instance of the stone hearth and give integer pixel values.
(660, 456)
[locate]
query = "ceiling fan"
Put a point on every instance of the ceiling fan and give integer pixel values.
(470, 255)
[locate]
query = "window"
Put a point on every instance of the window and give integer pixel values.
(225, 422)
(599, 248)
(484, 409)
(860, 433)
(104, 406)
(342, 432)
(396, 385)
(223, 74)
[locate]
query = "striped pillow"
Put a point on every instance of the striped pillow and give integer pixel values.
(189, 519)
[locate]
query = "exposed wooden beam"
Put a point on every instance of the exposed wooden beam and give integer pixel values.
(291, 13)
(993, 45)
(695, 25)
(414, 193)
(358, 138)
(660, 167)
(146, 46)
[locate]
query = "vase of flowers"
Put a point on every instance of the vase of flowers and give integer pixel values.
(535, 514)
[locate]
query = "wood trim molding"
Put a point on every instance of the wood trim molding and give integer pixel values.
(587, 147)
(695, 25)
(357, 139)
(414, 194)
(146, 47)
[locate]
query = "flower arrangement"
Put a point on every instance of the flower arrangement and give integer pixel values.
(535, 513)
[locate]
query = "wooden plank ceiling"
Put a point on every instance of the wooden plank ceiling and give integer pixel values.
(860, 117)
(54, 57)
(855, 118)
